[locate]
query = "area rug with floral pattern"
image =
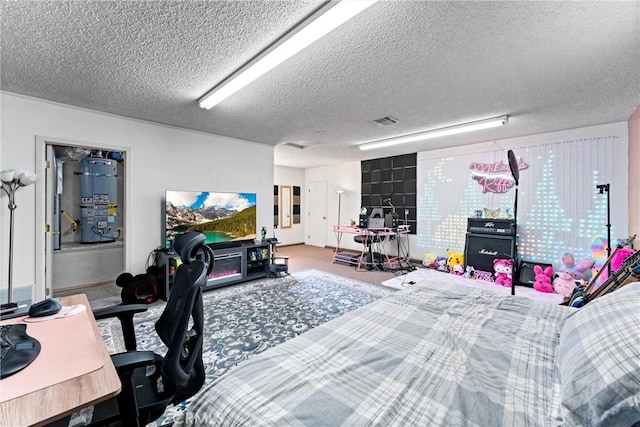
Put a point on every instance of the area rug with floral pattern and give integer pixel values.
(246, 319)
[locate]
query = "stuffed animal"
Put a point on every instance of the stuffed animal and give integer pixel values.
(429, 260)
(141, 288)
(455, 262)
(620, 256)
(616, 262)
(543, 279)
(579, 271)
(470, 272)
(502, 270)
(564, 284)
(441, 264)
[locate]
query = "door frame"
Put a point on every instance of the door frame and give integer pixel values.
(43, 239)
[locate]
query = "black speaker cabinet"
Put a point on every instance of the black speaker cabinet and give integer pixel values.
(481, 249)
(526, 275)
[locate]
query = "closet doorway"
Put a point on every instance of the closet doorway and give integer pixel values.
(82, 206)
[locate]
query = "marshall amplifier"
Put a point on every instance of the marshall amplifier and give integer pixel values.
(481, 249)
(502, 227)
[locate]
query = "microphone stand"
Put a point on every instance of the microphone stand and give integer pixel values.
(602, 188)
(514, 248)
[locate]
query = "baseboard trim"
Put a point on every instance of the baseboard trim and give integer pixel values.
(83, 286)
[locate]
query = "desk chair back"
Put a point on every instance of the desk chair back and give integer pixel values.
(182, 364)
(180, 327)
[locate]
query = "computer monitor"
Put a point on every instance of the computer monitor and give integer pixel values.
(376, 213)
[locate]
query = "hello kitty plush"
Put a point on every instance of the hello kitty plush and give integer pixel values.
(543, 279)
(564, 284)
(502, 269)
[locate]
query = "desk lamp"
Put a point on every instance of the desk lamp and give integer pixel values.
(11, 181)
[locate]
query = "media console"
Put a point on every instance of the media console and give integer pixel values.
(235, 264)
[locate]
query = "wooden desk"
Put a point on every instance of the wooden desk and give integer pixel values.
(59, 400)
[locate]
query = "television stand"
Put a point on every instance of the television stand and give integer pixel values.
(241, 263)
(225, 245)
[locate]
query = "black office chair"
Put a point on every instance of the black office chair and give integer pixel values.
(180, 327)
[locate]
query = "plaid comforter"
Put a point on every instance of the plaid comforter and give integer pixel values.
(433, 354)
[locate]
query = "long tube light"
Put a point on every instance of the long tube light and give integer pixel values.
(305, 34)
(436, 133)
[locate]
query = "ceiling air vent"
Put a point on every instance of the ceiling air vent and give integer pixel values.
(386, 121)
(291, 144)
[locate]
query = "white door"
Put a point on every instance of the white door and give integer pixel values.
(317, 214)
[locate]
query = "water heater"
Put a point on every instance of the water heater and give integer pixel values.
(98, 199)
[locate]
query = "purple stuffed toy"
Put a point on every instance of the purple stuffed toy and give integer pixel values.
(502, 269)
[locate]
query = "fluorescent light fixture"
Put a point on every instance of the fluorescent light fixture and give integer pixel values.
(308, 32)
(436, 133)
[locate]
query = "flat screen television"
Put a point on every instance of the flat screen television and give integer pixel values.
(221, 217)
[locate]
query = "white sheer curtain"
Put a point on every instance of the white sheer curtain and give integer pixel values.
(559, 209)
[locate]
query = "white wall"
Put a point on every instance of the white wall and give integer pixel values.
(160, 158)
(293, 177)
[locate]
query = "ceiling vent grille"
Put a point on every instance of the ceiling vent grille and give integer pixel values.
(386, 121)
(291, 144)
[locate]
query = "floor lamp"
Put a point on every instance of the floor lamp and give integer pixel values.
(339, 234)
(11, 181)
(515, 172)
(604, 188)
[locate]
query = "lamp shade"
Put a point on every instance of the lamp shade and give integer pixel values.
(28, 178)
(7, 175)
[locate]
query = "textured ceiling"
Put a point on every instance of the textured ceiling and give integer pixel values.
(548, 65)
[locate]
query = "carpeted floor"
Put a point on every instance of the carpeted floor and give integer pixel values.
(246, 319)
(301, 258)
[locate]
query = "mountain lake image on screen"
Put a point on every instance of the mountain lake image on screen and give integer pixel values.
(221, 217)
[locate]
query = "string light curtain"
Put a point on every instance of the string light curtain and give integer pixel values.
(559, 209)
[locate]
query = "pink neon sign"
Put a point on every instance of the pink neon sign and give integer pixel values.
(494, 177)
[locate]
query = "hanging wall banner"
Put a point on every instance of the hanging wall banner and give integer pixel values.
(494, 177)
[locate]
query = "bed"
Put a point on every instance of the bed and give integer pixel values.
(443, 354)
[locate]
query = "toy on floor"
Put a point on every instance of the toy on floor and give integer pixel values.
(503, 272)
(441, 264)
(564, 284)
(470, 272)
(455, 262)
(429, 260)
(579, 271)
(543, 279)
